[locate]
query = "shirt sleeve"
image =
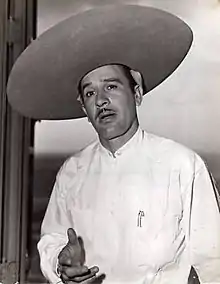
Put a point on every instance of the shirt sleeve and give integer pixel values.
(54, 229)
(203, 224)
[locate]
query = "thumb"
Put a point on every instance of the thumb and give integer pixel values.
(72, 237)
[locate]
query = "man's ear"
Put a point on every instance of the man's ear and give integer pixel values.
(139, 87)
(138, 95)
(79, 99)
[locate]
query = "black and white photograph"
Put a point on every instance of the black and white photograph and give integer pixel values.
(109, 141)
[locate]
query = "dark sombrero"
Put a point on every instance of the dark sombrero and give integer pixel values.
(43, 82)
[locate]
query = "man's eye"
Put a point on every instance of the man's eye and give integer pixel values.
(89, 94)
(111, 87)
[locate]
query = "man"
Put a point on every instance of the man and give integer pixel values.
(108, 184)
(131, 206)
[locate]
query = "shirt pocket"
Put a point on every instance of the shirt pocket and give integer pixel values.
(157, 236)
(169, 242)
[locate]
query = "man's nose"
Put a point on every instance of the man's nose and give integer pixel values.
(102, 98)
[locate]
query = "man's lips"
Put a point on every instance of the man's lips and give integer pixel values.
(105, 113)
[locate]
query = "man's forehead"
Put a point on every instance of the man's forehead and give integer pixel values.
(103, 72)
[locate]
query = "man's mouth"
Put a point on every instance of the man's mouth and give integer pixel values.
(105, 115)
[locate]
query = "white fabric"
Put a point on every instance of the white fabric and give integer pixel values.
(146, 214)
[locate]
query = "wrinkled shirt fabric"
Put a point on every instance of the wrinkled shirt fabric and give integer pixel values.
(146, 214)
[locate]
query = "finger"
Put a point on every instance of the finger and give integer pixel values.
(91, 273)
(75, 271)
(72, 237)
(94, 269)
(64, 278)
(80, 279)
(64, 259)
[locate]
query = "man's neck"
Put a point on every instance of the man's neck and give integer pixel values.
(116, 143)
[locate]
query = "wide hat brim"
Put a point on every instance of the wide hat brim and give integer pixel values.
(43, 81)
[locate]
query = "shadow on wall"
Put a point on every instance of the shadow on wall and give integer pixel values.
(45, 170)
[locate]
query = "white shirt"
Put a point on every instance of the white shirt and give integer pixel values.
(146, 214)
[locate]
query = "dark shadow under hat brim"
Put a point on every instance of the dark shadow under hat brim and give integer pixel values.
(43, 81)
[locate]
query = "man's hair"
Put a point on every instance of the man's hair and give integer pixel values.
(127, 72)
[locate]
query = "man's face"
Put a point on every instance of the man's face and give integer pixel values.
(109, 101)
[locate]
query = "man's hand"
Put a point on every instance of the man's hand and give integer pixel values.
(71, 261)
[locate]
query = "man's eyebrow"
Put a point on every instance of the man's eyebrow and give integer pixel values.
(104, 80)
(86, 85)
(113, 80)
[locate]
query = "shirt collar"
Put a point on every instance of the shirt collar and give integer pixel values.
(130, 144)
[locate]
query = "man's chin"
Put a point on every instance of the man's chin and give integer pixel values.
(109, 134)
